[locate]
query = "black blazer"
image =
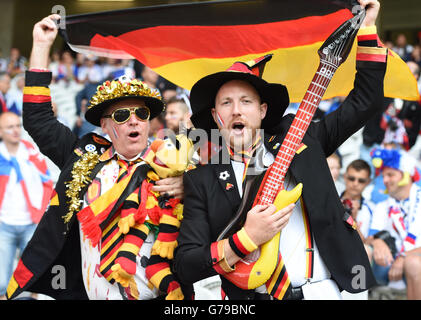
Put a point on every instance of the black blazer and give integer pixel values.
(209, 206)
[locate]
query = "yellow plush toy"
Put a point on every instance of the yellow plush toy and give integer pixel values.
(167, 158)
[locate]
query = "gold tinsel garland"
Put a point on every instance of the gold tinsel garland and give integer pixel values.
(116, 89)
(80, 174)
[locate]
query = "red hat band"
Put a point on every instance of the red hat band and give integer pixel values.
(254, 67)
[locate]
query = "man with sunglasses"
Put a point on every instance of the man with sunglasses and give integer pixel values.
(72, 255)
(357, 178)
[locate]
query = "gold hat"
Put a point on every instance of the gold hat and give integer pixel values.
(122, 88)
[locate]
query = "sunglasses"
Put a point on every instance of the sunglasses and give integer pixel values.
(122, 115)
(360, 180)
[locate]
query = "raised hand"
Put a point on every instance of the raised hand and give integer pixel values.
(43, 34)
(372, 11)
(45, 31)
(264, 222)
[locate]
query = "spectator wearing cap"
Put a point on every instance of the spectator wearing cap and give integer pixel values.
(395, 232)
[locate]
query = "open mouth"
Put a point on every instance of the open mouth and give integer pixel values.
(134, 134)
(238, 127)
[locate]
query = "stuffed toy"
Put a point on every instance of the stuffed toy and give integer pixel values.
(167, 158)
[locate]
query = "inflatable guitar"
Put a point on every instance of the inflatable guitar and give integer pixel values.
(256, 268)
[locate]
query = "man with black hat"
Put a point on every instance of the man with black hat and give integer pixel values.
(71, 259)
(237, 102)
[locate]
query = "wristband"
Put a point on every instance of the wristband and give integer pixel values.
(39, 70)
(241, 243)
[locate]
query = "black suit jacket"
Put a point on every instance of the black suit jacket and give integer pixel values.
(209, 206)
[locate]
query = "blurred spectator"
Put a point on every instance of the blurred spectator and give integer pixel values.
(334, 104)
(395, 232)
(82, 126)
(79, 62)
(416, 55)
(393, 139)
(388, 118)
(90, 71)
(4, 88)
(357, 178)
(402, 48)
(137, 67)
(54, 60)
(150, 77)
(388, 44)
(25, 188)
(115, 68)
(3, 62)
(14, 96)
(65, 69)
(395, 135)
(169, 93)
(156, 126)
(168, 89)
(334, 162)
(408, 112)
(177, 115)
(16, 63)
(416, 71)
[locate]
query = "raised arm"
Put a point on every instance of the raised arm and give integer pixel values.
(366, 98)
(54, 139)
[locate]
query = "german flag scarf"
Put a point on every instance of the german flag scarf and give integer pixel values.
(246, 156)
(201, 38)
(99, 220)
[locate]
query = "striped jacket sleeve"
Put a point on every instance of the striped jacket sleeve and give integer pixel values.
(54, 139)
(370, 50)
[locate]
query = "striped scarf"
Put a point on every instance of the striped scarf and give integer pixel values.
(100, 220)
(246, 156)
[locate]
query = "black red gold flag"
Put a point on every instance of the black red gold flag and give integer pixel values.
(184, 42)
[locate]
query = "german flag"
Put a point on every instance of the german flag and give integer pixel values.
(185, 42)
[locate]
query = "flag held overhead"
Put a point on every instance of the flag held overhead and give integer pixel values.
(202, 38)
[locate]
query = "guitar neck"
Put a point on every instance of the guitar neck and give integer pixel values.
(275, 178)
